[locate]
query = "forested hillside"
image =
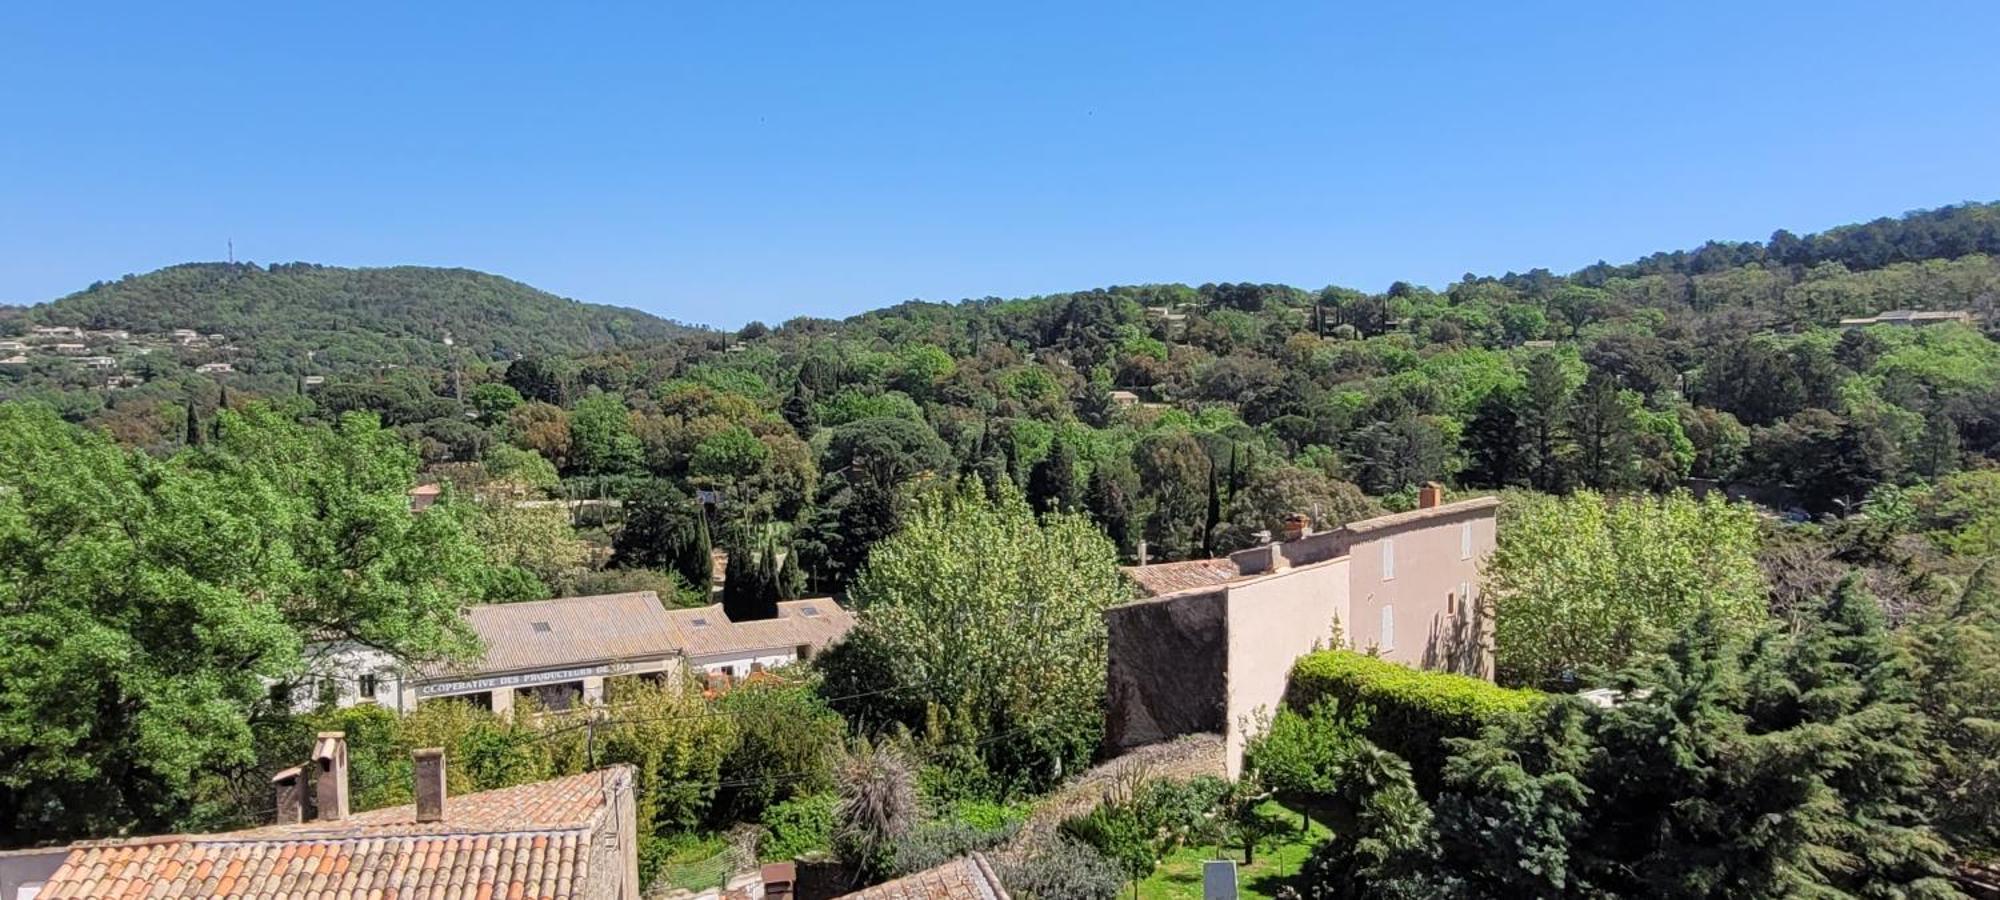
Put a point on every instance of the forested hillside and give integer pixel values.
(1003, 457)
(353, 318)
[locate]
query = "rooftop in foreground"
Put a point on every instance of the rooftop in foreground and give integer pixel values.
(531, 841)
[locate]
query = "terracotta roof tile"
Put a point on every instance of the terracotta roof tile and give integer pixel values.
(566, 631)
(816, 622)
(1166, 578)
(965, 878)
(531, 842)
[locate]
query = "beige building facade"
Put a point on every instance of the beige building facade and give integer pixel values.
(1213, 649)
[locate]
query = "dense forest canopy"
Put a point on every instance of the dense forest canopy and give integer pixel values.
(301, 317)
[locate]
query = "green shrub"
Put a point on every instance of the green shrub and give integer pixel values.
(797, 827)
(1061, 869)
(987, 815)
(1409, 712)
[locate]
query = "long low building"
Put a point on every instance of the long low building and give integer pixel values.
(567, 651)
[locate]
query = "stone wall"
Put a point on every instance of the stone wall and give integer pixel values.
(1168, 664)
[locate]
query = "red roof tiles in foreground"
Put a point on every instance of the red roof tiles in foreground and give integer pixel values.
(531, 841)
(965, 878)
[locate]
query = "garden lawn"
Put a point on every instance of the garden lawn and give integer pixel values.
(1279, 857)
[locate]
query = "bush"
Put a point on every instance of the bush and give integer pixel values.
(798, 827)
(1408, 711)
(1061, 869)
(933, 844)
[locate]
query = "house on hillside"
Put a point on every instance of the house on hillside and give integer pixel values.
(1213, 644)
(215, 368)
(567, 652)
(575, 836)
(1911, 318)
(98, 362)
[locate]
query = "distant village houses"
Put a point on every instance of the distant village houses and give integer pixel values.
(1912, 318)
(215, 368)
(567, 652)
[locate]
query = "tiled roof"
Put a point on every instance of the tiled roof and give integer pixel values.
(566, 631)
(1166, 578)
(531, 841)
(818, 621)
(965, 878)
(566, 802)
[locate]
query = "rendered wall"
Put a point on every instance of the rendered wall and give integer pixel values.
(1431, 567)
(1272, 621)
(1167, 660)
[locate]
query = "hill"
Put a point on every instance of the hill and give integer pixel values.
(343, 319)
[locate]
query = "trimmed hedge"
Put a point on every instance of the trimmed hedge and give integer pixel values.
(1410, 712)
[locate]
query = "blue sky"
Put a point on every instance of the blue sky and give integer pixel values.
(719, 162)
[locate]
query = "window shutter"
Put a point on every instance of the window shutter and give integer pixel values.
(1388, 558)
(1388, 627)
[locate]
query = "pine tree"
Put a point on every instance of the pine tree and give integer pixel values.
(799, 411)
(1110, 504)
(1850, 682)
(1956, 656)
(1053, 486)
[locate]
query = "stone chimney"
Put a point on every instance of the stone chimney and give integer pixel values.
(1296, 526)
(430, 783)
(290, 791)
(330, 780)
(1430, 495)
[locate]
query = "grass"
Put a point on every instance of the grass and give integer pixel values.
(695, 862)
(1279, 858)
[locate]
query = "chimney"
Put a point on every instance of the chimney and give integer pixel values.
(330, 781)
(1296, 526)
(1430, 495)
(430, 783)
(289, 786)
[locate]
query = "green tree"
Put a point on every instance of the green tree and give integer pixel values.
(145, 605)
(601, 438)
(1053, 486)
(975, 604)
(1955, 654)
(1582, 582)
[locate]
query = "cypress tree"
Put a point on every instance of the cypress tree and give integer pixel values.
(195, 437)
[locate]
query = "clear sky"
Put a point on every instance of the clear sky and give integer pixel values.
(730, 160)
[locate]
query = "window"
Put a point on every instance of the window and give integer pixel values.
(1465, 541)
(541, 627)
(1388, 641)
(1388, 558)
(809, 611)
(701, 623)
(1465, 599)
(368, 686)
